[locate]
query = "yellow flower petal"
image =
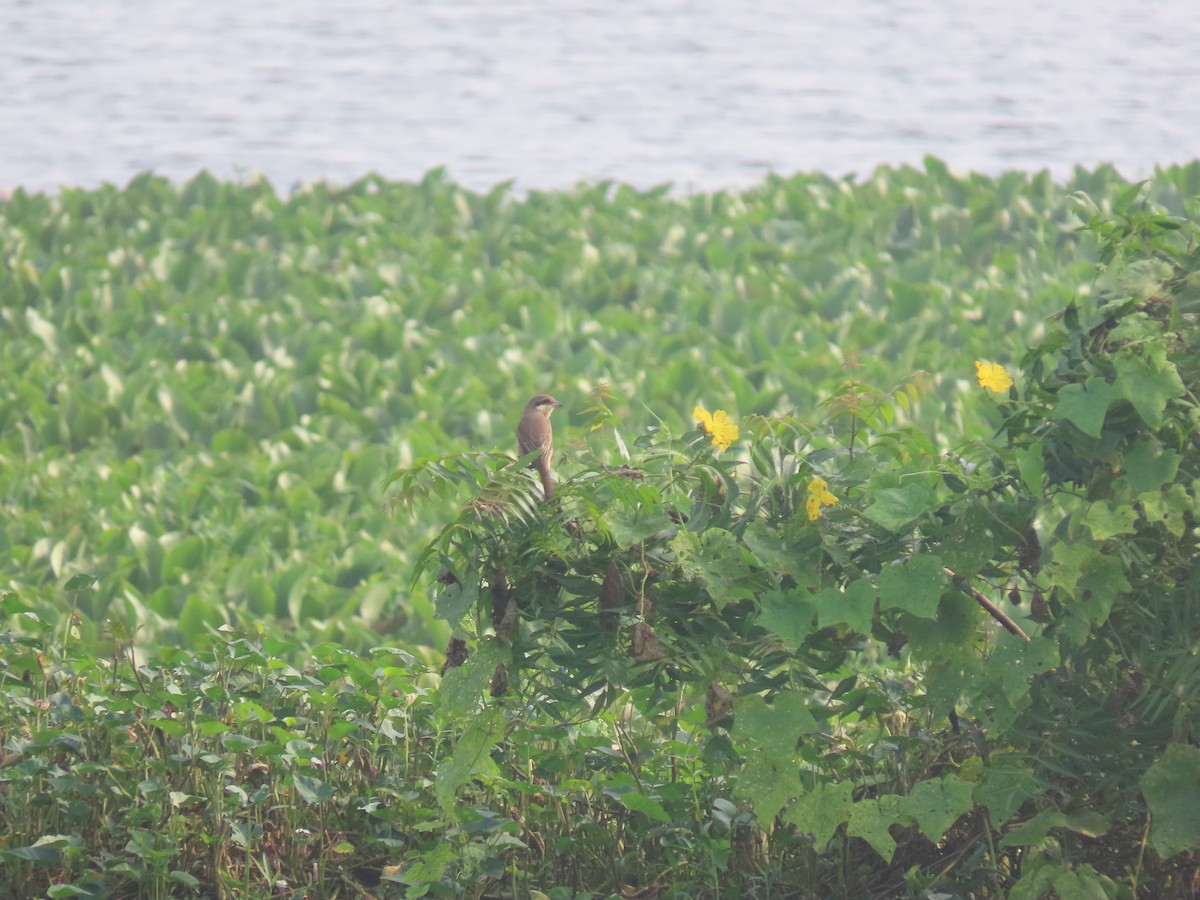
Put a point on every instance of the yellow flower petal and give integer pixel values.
(722, 429)
(819, 496)
(993, 377)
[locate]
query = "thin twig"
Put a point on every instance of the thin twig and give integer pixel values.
(992, 609)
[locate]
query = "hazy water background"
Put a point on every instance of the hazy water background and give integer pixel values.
(704, 94)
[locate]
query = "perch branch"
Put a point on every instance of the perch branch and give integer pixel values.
(992, 609)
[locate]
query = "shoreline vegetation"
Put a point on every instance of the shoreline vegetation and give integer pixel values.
(910, 613)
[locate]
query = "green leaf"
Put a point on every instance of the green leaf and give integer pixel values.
(185, 556)
(471, 755)
(646, 805)
(462, 687)
(1070, 560)
(1007, 785)
(184, 878)
(455, 600)
(937, 804)
(788, 614)
(638, 515)
(855, 606)
(79, 582)
(1107, 519)
(915, 586)
(778, 555)
(1148, 467)
(1086, 405)
(871, 821)
(1031, 463)
(1084, 884)
(718, 561)
(1171, 787)
(969, 544)
(895, 508)
(197, 611)
(1098, 588)
(1033, 832)
(46, 850)
(313, 790)
(820, 811)
(776, 726)
(768, 784)
(1168, 507)
(1148, 382)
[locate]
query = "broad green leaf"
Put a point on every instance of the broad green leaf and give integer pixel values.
(1085, 405)
(788, 614)
(1107, 519)
(915, 586)
(455, 600)
(1083, 884)
(871, 821)
(1034, 831)
(855, 606)
(896, 508)
(1007, 784)
(1098, 588)
(819, 812)
(46, 850)
(937, 804)
(312, 789)
(197, 611)
(1171, 787)
(1031, 462)
(462, 687)
(1014, 662)
(1147, 468)
(768, 784)
(777, 726)
(718, 561)
(185, 556)
(776, 554)
(646, 805)
(637, 516)
(1148, 382)
(970, 544)
(79, 582)
(471, 755)
(1168, 507)
(1070, 559)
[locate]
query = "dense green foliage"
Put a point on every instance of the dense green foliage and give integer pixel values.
(206, 384)
(687, 674)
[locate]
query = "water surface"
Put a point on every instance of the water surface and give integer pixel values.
(704, 94)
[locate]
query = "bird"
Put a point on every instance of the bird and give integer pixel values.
(534, 433)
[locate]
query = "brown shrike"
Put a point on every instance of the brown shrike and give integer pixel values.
(534, 433)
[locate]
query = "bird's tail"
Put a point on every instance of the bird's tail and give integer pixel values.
(547, 481)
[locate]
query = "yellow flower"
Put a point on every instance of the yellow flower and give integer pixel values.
(718, 424)
(993, 377)
(819, 496)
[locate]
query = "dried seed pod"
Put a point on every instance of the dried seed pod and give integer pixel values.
(1029, 551)
(1038, 611)
(645, 646)
(718, 703)
(500, 681)
(456, 654)
(612, 597)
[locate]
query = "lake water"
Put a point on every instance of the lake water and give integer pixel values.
(704, 94)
